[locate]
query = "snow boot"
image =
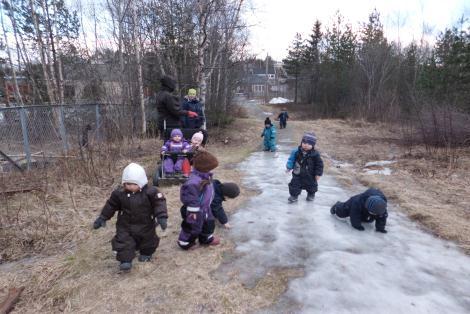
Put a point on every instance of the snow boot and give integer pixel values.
(145, 258)
(292, 199)
(125, 266)
(215, 241)
(310, 197)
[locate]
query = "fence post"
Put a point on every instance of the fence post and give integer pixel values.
(98, 123)
(24, 129)
(63, 132)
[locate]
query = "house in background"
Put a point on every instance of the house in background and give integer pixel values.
(264, 79)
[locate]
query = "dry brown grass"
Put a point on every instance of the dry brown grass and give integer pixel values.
(79, 273)
(424, 186)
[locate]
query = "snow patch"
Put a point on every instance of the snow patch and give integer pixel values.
(384, 171)
(267, 113)
(380, 163)
(279, 100)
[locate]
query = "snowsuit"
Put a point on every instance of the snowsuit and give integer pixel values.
(216, 205)
(170, 166)
(355, 209)
(306, 165)
(283, 116)
(135, 226)
(195, 106)
(269, 134)
(168, 105)
(197, 194)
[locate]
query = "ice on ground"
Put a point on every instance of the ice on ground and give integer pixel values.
(279, 100)
(267, 113)
(346, 271)
(384, 171)
(380, 163)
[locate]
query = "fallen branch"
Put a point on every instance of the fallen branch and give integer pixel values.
(12, 297)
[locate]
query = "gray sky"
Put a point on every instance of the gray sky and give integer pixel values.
(276, 21)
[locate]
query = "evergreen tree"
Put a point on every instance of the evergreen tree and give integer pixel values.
(293, 63)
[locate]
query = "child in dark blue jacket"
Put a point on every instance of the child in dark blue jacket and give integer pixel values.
(365, 207)
(307, 168)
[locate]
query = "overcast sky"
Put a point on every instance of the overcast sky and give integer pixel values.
(275, 22)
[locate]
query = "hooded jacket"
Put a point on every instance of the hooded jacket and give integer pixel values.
(168, 105)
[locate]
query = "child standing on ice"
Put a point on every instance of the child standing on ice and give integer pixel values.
(141, 208)
(307, 168)
(269, 134)
(197, 194)
(365, 207)
(176, 144)
(283, 117)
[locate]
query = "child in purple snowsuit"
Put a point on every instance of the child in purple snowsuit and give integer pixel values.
(197, 194)
(176, 144)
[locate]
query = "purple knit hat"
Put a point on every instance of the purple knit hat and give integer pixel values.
(309, 138)
(175, 132)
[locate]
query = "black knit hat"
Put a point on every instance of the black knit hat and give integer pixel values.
(230, 190)
(168, 82)
(267, 121)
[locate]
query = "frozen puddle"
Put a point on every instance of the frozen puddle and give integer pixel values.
(346, 271)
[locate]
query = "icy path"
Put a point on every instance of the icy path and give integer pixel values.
(346, 271)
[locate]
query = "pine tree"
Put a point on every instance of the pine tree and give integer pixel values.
(293, 63)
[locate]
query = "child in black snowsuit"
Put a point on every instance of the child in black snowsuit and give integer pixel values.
(141, 208)
(221, 191)
(307, 168)
(365, 207)
(283, 117)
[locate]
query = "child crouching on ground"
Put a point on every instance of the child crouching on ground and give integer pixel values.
(221, 191)
(307, 168)
(197, 194)
(140, 208)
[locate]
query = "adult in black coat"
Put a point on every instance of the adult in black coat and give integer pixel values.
(168, 105)
(365, 207)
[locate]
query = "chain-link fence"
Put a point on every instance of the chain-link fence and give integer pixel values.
(34, 132)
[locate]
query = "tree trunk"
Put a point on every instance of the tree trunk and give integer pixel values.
(18, 97)
(50, 90)
(138, 60)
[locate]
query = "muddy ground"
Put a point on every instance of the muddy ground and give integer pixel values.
(72, 268)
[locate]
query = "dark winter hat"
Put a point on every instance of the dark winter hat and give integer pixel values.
(168, 82)
(267, 122)
(376, 205)
(309, 138)
(204, 161)
(175, 132)
(230, 190)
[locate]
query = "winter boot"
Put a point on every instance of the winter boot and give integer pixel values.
(125, 266)
(292, 199)
(215, 241)
(310, 197)
(145, 258)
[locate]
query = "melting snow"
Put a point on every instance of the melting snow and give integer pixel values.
(346, 271)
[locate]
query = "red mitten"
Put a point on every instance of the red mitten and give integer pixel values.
(192, 114)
